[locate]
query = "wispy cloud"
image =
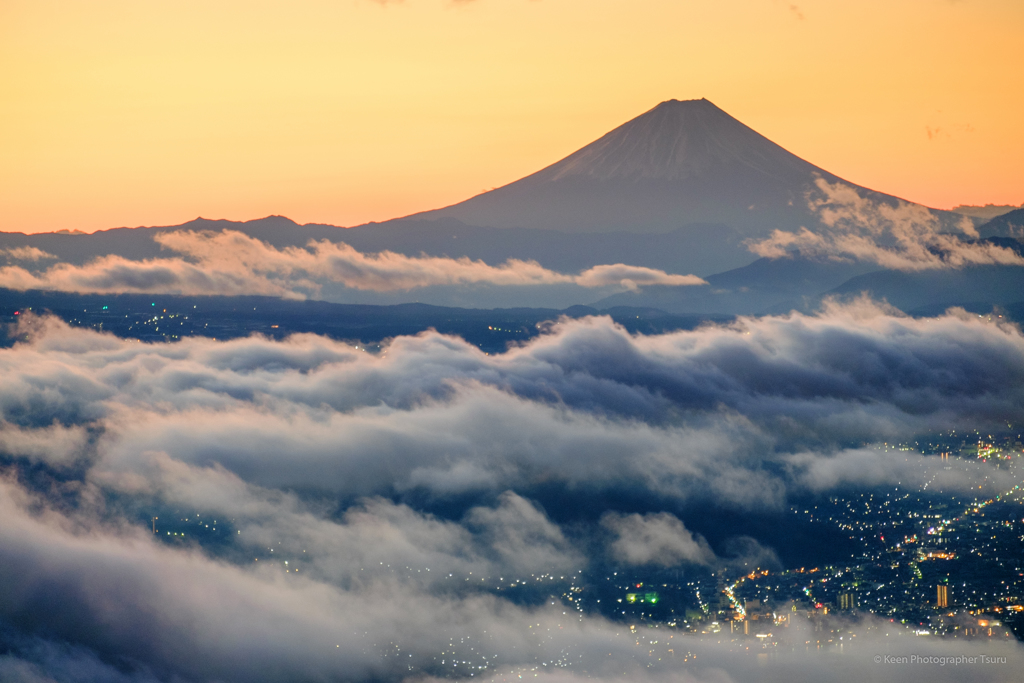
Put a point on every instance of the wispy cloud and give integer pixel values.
(684, 414)
(26, 254)
(230, 263)
(897, 236)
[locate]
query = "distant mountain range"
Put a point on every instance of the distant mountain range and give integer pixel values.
(986, 212)
(1009, 224)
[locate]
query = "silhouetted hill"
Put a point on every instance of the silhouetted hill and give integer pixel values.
(977, 285)
(1008, 225)
(784, 284)
(765, 284)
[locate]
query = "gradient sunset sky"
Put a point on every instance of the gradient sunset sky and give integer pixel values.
(124, 113)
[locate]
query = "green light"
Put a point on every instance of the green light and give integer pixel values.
(651, 598)
(106, 307)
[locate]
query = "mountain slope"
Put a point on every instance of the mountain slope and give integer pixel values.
(981, 286)
(1009, 224)
(778, 285)
(765, 284)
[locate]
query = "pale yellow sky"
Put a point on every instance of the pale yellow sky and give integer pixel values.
(135, 112)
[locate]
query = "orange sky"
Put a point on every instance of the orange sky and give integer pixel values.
(129, 112)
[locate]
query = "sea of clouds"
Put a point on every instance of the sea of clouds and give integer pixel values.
(337, 460)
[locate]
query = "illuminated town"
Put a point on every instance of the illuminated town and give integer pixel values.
(930, 564)
(943, 564)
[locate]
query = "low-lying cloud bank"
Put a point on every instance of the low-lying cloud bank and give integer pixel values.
(232, 263)
(741, 412)
(904, 237)
(298, 454)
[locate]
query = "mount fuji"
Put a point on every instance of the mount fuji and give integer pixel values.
(681, 163)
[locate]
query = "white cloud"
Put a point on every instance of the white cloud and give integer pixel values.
(656, 538)
(232, 263)
(903, 236)
(26, 254)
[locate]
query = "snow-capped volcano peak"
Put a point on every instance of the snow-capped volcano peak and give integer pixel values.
(674, 141)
